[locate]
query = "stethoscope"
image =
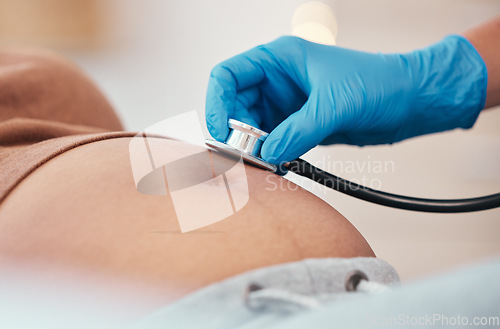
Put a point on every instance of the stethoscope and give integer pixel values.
(245, 141)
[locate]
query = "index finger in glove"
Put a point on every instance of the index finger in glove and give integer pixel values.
(227, 79)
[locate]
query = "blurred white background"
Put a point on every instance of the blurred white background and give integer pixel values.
(154, 57)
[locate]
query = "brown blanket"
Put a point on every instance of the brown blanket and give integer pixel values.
(47, 107)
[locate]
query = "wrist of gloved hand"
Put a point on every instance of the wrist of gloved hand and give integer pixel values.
(450, 78)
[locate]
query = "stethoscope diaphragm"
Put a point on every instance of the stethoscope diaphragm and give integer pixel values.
(244, 141)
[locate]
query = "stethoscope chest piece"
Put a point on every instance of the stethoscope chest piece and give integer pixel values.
(243, 141)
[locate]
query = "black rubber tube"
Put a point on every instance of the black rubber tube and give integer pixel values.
(304, 168)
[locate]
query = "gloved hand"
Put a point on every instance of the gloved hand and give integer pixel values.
(305, 94)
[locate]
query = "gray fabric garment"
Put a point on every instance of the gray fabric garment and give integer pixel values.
(464, 298)
(223, 305)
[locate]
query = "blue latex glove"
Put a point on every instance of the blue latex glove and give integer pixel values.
(306, 94)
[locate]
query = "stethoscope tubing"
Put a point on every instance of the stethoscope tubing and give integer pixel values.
(305, 169)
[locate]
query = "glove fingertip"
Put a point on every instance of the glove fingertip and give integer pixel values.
(274, 151)
(218, 107)
(268, 151)
(292, 138)
(217, 127)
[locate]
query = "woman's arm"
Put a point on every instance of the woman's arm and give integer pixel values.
(486, 40)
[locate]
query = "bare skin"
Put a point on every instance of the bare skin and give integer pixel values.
(91, 218)
(486, 39)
